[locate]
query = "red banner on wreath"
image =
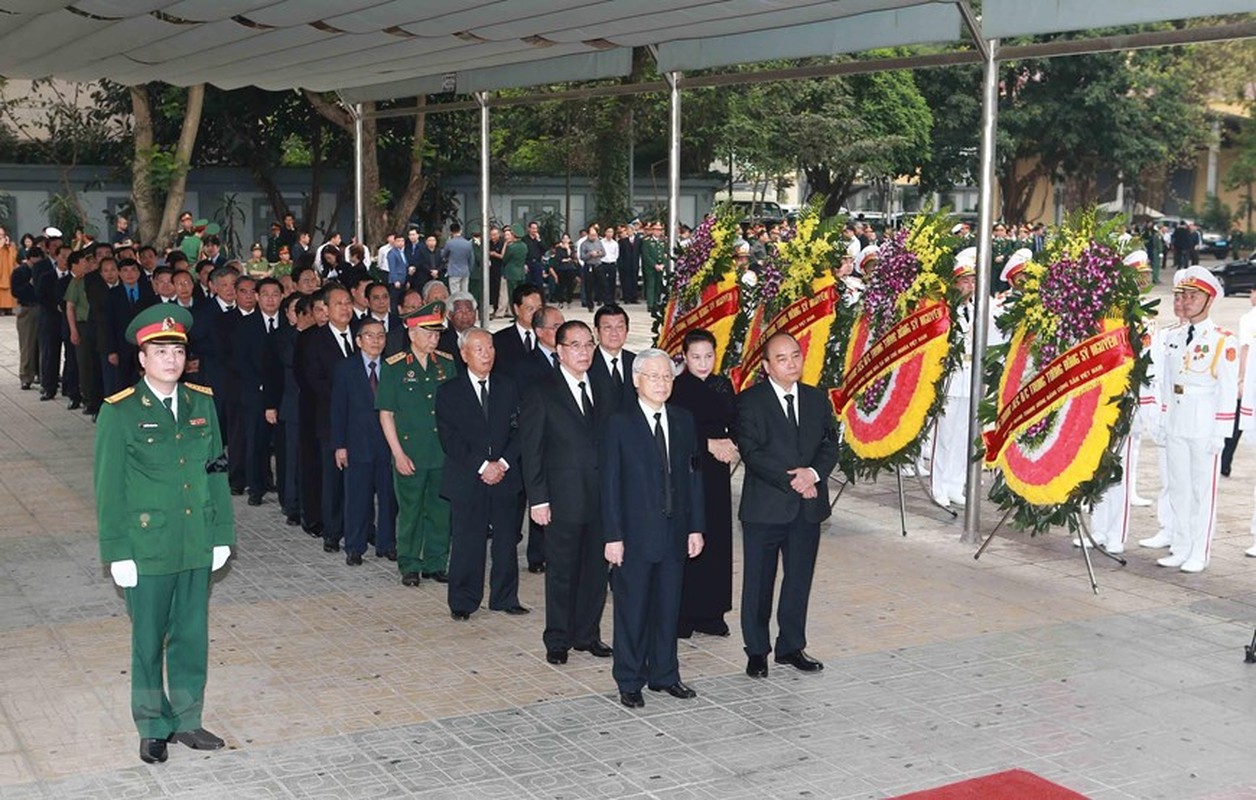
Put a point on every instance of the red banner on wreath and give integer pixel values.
(722, 305)
(1075, 371)
(908, 336)
(793, 319)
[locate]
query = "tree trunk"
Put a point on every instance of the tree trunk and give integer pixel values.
(309, 220)
(183, 159)
(416, 183)
(146, 216)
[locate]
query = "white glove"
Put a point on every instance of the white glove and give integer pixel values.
(221, 554)
(124, 573)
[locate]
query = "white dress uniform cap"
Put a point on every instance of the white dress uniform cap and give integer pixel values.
(870, 252)
(52, 233)
(1015, 263)
(1196, 277)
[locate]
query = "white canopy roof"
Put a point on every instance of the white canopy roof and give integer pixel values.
(376, 49)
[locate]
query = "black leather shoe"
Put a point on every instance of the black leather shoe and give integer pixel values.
(556, 656)
(255, 500)
(595, 648)
(45, 396)
(712, 628)
(461, 616)
(293, 520)
(316, 531)
(26, 387)
(516, 611)
(354, 559)
(153, 751)
(677, 690)
(75, 405)
(90, 410)
(391, 555)
(236, 491)
(632, 699)
(410, 579)
(684, 632)
(439, 577)
(199, 739)
(331, 547)
(536, 569)
(800, 660)
(757, 666)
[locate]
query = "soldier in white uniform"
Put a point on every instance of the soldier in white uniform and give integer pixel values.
(1110, 516)
(1199, 385)
(1159, 337)
(866, 261)
(949, 470)
(1013, 270)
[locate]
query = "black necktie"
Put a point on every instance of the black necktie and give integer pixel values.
(484, 396)
(168, 402)
(661, 442)
(554, 358)
(527, 341)
(616, 378)
(586, 407)
(1190, 334)
(964, 308)
(373, 378)
(348, 345)
(270, 325)
(789, 410)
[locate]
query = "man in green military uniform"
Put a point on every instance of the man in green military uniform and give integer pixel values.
(407, 413)
(164, 512)
(653, 264)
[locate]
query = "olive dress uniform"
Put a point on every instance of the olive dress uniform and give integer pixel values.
(408, 389)
(163, 503)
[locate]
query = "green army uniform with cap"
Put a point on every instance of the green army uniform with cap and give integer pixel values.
(653, 251)
(160, 504)
(408, 390)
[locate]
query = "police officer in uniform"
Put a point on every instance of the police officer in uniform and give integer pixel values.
(164, 512)
(949, 468)
(407, 413)
(1200, 391)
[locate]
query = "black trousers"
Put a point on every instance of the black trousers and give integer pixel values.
(258, 435)
(310, 472)
(50, 351)
(647, 607)
(628, 281)
(472, 523)
(239, 419)
(606, 283)
(287, 466)
(332, 494)
(794, 544)
(575, 585)
(90, 385)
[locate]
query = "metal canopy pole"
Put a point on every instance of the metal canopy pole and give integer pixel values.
(482, 99)
(673, 164)
(359, 231)
(989, 119)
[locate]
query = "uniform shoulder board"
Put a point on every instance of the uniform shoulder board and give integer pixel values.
(395, 358)
(196, 387)
(1224, 332)
(122, 395)
(443, 354)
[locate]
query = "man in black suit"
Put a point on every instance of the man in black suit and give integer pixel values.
(48, 275)
(477, 418)
(789, 447)
(208, 342)
(360, 449)
(255, 350)
(561, 430)
(629, 261)
(653, 517)
(377, 304)
(319, 351)
(516, 343)
(131, 296)
(611, 371)
(543, 361)
(239, 419)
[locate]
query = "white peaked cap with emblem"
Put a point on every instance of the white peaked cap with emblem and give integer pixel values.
(867, 254)
(1015, 263)
(1200, 279)
(52, 233)
(1138, 260)
(966, 257)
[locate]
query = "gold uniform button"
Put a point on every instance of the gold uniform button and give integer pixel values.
(187, 487)
(187, 511)
(178, 436)
(144, 518)
(183, 461)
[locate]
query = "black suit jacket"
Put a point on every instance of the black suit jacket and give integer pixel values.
(559, 449)
(317, 356)
(633, 488)
(469, 438)
(255, 356)
(770, 446)
(209, 345)
(354, 420)
(119, 311)
(600, 374)
(449, 344)
(510, 351)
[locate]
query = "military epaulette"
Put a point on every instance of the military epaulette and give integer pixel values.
(1224, 332)
(396, 358)
(443, 354)
(196, 387)
(122, 395)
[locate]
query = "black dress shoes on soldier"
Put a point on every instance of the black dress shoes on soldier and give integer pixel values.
(439, 577)
(678, 690)
(354, 559)
(556, 656)
(800, 660)
(595, 648)
(757, 666)
(515, 611)
(410, 579)
(632, 699)
(153, 751)
(199, 739)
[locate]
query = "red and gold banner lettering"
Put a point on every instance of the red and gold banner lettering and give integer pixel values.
(795, 319)
(907, 337)
(722, 305)
(1071, 373)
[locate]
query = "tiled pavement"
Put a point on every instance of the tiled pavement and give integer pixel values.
(334, 682)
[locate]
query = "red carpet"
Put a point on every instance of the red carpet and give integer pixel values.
(1015, 784)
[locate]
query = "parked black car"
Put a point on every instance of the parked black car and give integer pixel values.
(1237, 276)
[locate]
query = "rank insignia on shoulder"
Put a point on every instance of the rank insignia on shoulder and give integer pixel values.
(395, 358)
(196, 387)
(122, 395)
(443, 354)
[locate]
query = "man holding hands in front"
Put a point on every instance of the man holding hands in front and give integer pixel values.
(789, 447)
(652, 520)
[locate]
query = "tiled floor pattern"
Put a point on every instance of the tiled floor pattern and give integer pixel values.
(336, 682)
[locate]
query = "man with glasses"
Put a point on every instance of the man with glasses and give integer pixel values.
(559, 447)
